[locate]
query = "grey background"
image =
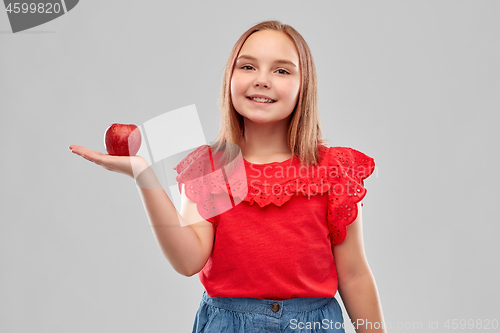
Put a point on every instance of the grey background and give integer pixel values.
(414, 84)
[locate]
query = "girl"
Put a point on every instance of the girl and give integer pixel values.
(278, 231)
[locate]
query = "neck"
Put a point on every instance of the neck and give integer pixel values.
(265, 142)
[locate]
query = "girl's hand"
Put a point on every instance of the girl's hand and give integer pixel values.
(131, 166)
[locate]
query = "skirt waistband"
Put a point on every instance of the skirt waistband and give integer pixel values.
(266, 306)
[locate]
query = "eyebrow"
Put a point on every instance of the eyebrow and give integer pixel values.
(280, 61)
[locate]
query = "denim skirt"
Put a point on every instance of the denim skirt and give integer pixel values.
(242, 315)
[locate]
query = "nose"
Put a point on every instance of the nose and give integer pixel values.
(262, 81)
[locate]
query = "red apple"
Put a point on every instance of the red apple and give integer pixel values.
(122, 140)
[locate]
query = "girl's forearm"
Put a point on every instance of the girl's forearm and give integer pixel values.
(178, 242)
(361, 300)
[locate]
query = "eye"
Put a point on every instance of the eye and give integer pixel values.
(282, 71)
(246, 67)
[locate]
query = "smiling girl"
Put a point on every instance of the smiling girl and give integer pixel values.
(271, 247)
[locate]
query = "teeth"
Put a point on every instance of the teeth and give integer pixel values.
(264, 100)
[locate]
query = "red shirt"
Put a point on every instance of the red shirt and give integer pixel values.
(275, 224)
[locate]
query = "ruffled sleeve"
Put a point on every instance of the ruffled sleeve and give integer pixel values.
(348, 168)
(196, 172)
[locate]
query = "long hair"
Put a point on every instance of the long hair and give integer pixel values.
(304, 131)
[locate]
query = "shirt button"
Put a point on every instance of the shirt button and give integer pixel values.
(275, 307)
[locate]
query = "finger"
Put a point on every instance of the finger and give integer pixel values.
(76, 149)
(87, 153)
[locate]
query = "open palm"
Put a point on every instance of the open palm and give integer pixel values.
(132, 166)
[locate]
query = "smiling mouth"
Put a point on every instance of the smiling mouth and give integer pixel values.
(261, 100)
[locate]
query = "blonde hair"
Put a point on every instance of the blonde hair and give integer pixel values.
(304, 132)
